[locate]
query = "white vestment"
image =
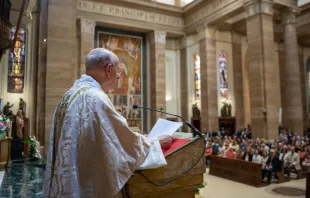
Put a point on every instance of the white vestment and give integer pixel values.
(92, 152)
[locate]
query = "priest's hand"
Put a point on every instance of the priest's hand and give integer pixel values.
(165, 141)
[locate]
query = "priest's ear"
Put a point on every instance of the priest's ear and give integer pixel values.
(108, 70)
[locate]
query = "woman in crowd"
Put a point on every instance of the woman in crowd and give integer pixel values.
(257, 158)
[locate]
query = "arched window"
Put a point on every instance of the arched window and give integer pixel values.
(197, 77)
(308, 83)
(223, 75)
(16, 64)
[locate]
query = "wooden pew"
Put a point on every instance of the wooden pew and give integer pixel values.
(281, 173)
(308, 185)
(237, 170)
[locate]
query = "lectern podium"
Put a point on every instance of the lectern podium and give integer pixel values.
(178, 161)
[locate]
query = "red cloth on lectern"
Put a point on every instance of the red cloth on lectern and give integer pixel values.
(176, 143)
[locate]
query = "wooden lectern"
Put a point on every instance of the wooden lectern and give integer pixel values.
(178, 161)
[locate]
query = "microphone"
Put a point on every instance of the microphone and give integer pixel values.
(194, 130)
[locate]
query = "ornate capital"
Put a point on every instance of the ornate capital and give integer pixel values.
(289, 16)
(183, 42)
(254, 7)
(206, 31)
(87, 26)
(160, 37)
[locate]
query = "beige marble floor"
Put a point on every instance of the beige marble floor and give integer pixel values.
(221, 188)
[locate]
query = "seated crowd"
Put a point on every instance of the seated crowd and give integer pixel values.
(292, 149)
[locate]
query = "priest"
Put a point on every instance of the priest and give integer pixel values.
(92, 152)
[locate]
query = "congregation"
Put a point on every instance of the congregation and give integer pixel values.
(291, 149)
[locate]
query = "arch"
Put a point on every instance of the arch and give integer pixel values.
(17, 61)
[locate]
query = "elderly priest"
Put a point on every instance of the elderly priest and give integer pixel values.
(92, 152)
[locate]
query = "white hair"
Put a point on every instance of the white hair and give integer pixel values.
(97, 58)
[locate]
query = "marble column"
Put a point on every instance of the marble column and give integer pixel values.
(61, 54)
(292, 96)
(263, 86)
(87, 35)
(158, 73)
(238, 80)
(184, 81)
(208, 71)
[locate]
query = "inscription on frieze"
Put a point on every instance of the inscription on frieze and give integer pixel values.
(212, 7)
(129, 13)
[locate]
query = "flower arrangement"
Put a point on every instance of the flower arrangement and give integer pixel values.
(4, 125)
(34, 147)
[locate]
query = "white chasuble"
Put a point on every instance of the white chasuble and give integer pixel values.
(92, 152)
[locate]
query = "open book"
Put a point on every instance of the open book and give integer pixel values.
(164, 127)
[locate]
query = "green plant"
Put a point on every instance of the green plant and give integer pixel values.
(4, 125)
(34, 147)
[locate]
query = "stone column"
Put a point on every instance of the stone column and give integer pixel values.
(41, 71)
(238, 80)
(87, 35)
(61, 54)
(184, 81)
(263, 89)
(208, 71)
(303, 87)
(292, 96)
(158, 73)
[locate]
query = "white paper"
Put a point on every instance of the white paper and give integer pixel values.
(164, 127)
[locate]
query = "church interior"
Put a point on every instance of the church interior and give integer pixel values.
(237, 70)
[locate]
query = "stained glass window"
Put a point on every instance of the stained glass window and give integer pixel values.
(223, 75)
(197, 77)
(308, 82)
(16, 70)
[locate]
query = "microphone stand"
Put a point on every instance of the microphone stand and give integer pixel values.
(195, 132)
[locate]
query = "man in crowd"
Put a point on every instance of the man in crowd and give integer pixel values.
(292, 162)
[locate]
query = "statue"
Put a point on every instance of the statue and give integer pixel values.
(19, 124)
(6, 109)
(229, 110)
(196, 111)
(224, 110)
(22, 105)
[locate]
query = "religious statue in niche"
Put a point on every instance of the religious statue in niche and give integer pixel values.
(196, 111)
(22, 106)
(226, 110)
(19, 124)
(17, 62)
(7, 109)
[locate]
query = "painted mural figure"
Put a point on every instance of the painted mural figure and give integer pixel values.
(128, 89)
